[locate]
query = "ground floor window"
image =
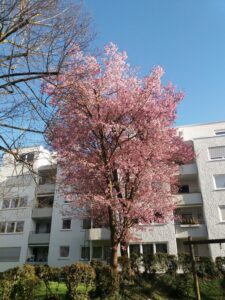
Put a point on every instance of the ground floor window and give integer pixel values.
(64, 251)
(148, 248)
(85, 253)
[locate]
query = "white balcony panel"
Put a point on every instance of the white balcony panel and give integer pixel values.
(189, 199)
(195, 231)
(95, 234)
(189, 169)
(39, 238)
(46, 189)
(45, 212)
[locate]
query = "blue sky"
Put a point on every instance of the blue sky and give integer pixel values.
(186, 37)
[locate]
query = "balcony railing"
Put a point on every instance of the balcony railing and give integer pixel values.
(39, 238)
(189, 169)
(188, 199)
(45, 212)
(95, 234)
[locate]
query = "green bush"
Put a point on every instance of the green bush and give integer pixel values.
(184, 261)
(206, 268)
(79, 279)
(105, 283)
(220, 264)
(47, 274)
(19, 283)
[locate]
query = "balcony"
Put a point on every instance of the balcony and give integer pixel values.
(95, 234)
(38, 238)
(189, 170)
(42, 213)
(193, 230)
(47, 188)
(189, 199)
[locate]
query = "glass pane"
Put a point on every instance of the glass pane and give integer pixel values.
(66, 224)
(220, 181)
(19, 226)
(2, 227)
(5, 203)
(10, 226)
(86, 223)
(85, 253)
(107, 253)
(14, 202)
(97, 252)
(23, 202)
(147, 249)
(64, 251)
(222, 212)
(161, 248)
(135, 248)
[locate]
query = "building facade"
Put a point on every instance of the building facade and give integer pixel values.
(36, 226)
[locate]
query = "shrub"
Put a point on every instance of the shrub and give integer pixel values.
(105, 283)
(206, 267)
(19, 283)
(135, 263)
(79, 279)
(184, 261)
(220, 264)
(47, 274)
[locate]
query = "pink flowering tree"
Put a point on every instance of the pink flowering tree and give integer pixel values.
(118, 152)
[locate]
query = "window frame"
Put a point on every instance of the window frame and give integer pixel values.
(215, 186)
(86, 258)
(60, 249)
(215, 159)
(219, 132)
(14, 228)
(220, 213)
(64, 220)
(18, 201)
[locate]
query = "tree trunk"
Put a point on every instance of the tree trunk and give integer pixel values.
(126, 268)
(114, 257)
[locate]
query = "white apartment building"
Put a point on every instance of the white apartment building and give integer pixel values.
(34, 227)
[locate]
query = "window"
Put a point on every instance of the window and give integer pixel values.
(45, 201)
(222, 213)
(14, 203)
(47, 176)
(23, 202)
(66, 224)
(219, 181)
(135, 248)
(217, 152)
(183, 189)
(161, 248)
(107, 253)
(21, 180)
(6, 203)
(64, 251)
(9, 254)
(19, 226)
(147, 249)
(86, 223)
(85, 253)
(2, 227)
(220, 132)
(97, 252)
(11, 227)
(27, 157)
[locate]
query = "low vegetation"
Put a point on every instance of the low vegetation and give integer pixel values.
(157, 279)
